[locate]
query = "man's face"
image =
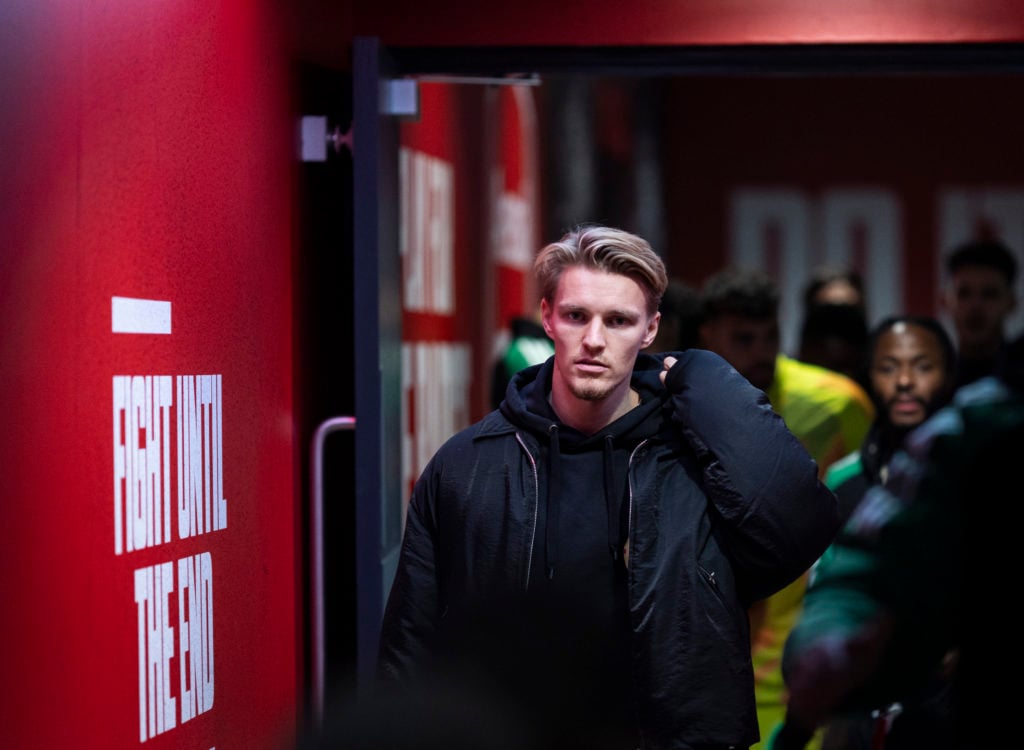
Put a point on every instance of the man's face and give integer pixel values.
(979, 300)
(907, 374)
(750, 345)
(599, 323)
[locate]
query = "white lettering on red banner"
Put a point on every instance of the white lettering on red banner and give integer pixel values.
(195, 618)
(435, 401)
(201, 504)
(142, 491)
(514, 230)
(175, 684)
(142, 461)
(426, 234)
(154, 587)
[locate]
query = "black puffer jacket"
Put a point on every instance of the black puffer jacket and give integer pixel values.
(725, 507)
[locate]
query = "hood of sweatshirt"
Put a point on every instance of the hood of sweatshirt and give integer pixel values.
(526, 406)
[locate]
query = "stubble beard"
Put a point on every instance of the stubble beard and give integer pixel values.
(589, 390)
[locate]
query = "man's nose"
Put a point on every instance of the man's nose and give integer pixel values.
(594, 335)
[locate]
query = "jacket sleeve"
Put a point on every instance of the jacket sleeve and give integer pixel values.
(412, 611)
(776, 517)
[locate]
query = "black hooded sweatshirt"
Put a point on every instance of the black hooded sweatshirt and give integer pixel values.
(577, 596)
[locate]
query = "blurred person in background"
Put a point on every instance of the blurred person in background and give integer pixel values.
(910, 377)
(680, 318)
(835, 285)
(835, 336)
(834, 329)
(979, 297)
(911, 577)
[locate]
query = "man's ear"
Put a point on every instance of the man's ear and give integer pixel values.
(545, 317)
(652, 330)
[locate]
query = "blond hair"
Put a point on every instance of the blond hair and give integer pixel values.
(604, 249)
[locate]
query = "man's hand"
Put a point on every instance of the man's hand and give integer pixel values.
(666, 365)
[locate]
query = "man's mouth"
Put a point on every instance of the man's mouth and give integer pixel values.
(590, 366)
(907, 406)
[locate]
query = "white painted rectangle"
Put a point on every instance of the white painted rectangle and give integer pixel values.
(314, 138)
(133, 315)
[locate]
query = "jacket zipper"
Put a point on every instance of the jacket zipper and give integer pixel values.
(629, 509)
(533, 528)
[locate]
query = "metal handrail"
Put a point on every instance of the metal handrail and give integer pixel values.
(316, 530)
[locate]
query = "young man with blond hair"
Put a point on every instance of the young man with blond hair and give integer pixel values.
(586, 553)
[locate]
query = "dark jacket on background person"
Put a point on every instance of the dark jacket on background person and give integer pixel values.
(714, 501)
(919, 723)
(911, 575)
(851, 476)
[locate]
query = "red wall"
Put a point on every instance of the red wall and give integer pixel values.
(146, 153)
(453, 23)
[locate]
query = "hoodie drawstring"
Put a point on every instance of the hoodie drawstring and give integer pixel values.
(554, 487)
(611, 504)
